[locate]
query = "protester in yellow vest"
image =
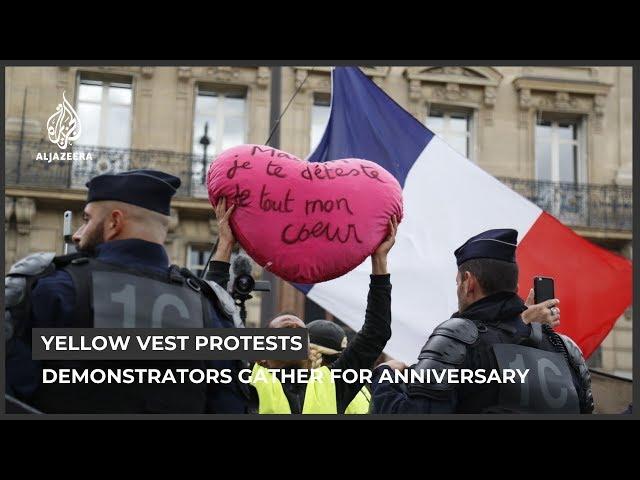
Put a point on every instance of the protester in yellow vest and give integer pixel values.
(324, 392)
(322, 395)
(327, 340)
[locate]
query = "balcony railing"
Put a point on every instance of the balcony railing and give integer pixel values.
(580, 205)
(23, 168)
(577, 205)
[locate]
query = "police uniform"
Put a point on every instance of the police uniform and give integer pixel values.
(124, 283)
(490, 335)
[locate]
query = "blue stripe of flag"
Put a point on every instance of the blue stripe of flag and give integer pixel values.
(365, 122)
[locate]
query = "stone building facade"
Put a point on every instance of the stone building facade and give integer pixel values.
(560, 135)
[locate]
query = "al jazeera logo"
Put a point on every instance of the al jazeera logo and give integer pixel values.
(63, 128)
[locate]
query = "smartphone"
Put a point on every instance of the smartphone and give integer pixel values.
(67, 234)
(543, 289)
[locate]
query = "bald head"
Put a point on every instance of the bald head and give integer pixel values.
(286, 321)
(105, 221)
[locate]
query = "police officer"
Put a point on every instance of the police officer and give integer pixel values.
(327, 340)
(488, 333)
(120, 277)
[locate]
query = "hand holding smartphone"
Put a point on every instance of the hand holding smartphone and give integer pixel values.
(543, 289)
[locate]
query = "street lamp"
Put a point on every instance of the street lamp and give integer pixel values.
(204, 141)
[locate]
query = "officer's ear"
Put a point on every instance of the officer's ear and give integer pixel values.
(472, 282)
(115, 224)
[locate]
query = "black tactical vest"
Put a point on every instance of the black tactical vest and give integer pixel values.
(558, 380)
(118, 297)
(550, 385)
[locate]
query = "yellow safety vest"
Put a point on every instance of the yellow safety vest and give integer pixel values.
(320, 396)
(360, 403)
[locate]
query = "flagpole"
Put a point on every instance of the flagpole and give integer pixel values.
(24, 107)
(269, 302)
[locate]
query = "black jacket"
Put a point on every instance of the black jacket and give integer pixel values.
(498, 318)
(366, 346)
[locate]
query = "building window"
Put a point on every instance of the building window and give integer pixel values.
(558, 149)
(319, 117)
(453, 126)
(197, 256)
(560, 167)
(223, 110)
(595, 360)
(104, 108)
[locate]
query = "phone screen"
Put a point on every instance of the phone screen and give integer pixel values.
(543, 289)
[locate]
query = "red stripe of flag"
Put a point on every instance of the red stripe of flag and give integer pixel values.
(593, 284)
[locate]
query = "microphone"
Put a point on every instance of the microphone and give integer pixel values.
(241, 265)
(242, 282)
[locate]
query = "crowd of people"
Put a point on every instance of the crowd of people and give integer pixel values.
(125, 224)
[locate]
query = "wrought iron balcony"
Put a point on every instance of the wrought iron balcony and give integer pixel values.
(22, 167)
(577, 205)
(580, 205)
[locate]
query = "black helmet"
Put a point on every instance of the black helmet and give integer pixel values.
(327, 334)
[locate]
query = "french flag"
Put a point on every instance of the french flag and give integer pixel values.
(448, 199)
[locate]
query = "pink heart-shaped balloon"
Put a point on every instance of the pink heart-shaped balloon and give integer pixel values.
(305, 222)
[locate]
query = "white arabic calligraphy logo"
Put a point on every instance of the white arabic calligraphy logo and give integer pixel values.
(63, 126)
